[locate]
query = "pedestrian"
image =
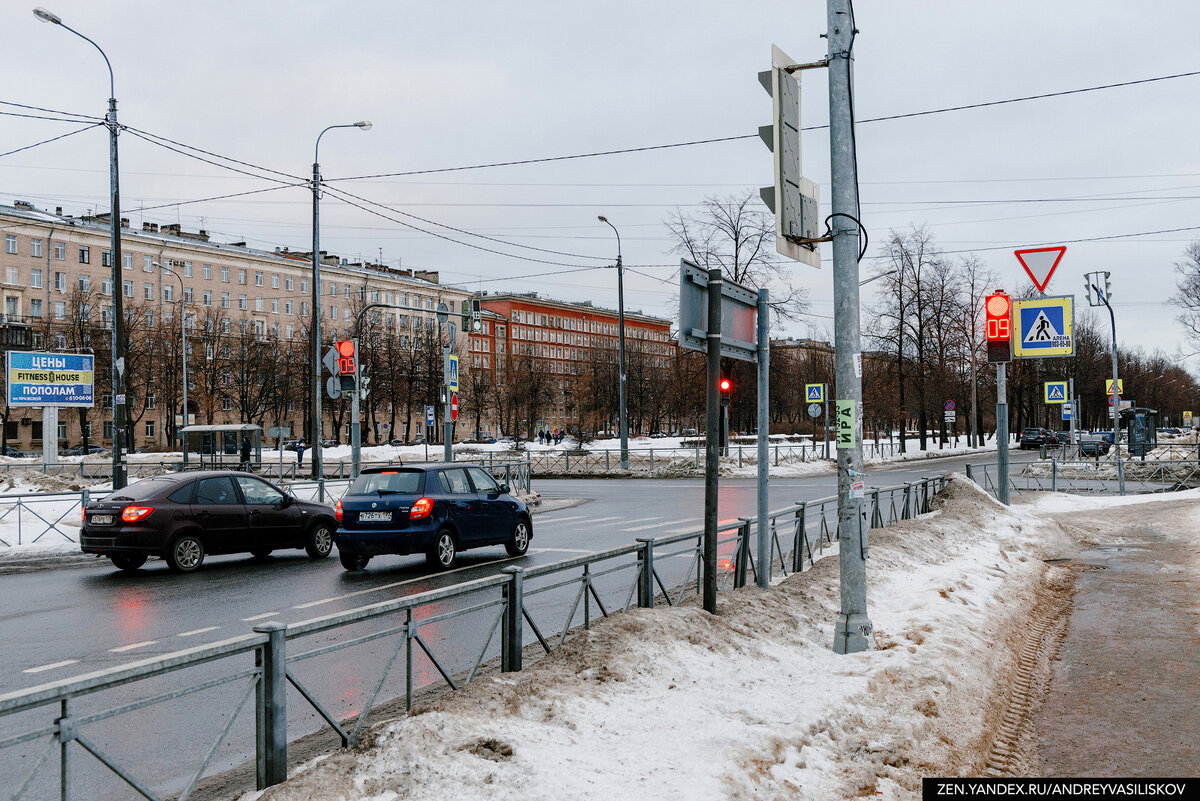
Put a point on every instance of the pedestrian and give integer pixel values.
(246, 454)
(300, 452)
(541, 437)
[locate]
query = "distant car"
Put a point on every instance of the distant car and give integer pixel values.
(186, 516)
(290, 445)
(1095, 444)
(435, 509)
(1034, 438)
(9, 450)
(78, 450)
(657, 435)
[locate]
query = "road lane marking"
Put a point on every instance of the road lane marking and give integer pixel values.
(692, 529)
(51, 666)
(198, 631)
(311, 604)
(652, 525)
(560, 550)
(606, 519)
(259, 617)
(563, 519)
(132, 646)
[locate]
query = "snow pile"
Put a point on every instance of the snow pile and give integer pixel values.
(675, 703)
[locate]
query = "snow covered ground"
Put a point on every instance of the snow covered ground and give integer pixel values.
(673, 703)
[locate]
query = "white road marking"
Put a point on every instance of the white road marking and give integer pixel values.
(560, 550)
(564, 519)
(132, 646)
(259, 617)
(606, 519)
(311, 604)
(692, 529)
(652, 525)
(51, 666)
(198, 631)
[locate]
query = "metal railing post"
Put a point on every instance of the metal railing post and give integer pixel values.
(1054, 475)
(513, 628)
(652, 460)
(646, 574)
(66, 733)
(743, 553)
(970, 473)
(321, 490)
(798, 538)
(271, 740)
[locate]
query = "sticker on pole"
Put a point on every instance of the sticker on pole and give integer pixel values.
(1055, 392)
(814, 393)
(847, 432)
(1039, 263)
(1045, 327)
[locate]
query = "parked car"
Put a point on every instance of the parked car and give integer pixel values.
(78, 450)
(436, 509)
(184, 517)
(1095, 444)
(1034, 438)
(657, 435)
(9, 450)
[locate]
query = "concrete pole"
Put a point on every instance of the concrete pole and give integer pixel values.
(853, 630)
(974, 438)
(712, 440)
(447, 424)
(1002, 430)
(355, 413)
(315, 425)
(764, 430)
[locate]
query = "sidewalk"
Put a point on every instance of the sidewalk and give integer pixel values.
(1124, 699)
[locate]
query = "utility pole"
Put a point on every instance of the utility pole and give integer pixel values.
(712, 440)
(1002, 431)
(853, 630)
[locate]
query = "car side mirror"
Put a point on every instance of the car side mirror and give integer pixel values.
(504, 488)
(288, 500)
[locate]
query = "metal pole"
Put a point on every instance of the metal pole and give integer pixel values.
(1116, 404)
(1002, 431)
(974, 438)
(355, 412)
(712, 459)
(447, 425)
(315, 424)
(622, 412)
(825, 424)
(118, 334)
(764, 427)
(1071, 447)
(853, 629)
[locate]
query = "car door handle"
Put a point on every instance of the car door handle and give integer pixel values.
(202, 513)
(255, 511)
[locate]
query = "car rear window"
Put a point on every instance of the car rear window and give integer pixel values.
(400, 481)
(140, 490)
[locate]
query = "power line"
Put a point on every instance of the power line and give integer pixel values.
(87, 127)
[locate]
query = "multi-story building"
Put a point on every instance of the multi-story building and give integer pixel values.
(247, 312)
(563, 340)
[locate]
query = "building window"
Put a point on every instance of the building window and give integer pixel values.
(10, 243)
(258, 304)
(290, 330)
(147, 264)
(106, 286)
(226, 403)
(105, 258)
(35, 307)
(168, 293)
(85, 256)
(275, 305)
(224, 300)
(241, 276)
(60, 251)
(12, 275)
(127, 288)
(208, 297)
(35, 247)
(274, 281)
(149, 428)
(10, 306)
(187, 294)
(332, 313)
(287, 306)
(206, 271)
(150, 400)
(304, 308)
(225, 328)
(127, 261)
(85, 283)
(303, 285)
(258, 278)
(187, 269)
(148, 291)
(224, 275)
(149, 318)
(287, 283)
(60, 339)
(60, 313)
(242, 302)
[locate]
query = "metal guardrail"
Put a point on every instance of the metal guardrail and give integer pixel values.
(53, 517)
(1090, 476)
(410, 627)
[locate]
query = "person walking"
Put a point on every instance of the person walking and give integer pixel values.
(300, 453)
(245, 465)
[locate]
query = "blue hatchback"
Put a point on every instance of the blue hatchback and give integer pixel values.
(434, 509)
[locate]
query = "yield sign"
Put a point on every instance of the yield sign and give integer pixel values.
(1039, 263)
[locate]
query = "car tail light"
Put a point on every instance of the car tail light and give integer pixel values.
(422, 508)
(337, 511)
(132, 514)
(83, 515)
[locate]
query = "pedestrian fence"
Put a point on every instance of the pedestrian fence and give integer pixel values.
(1091, 477)
(438, 638)
(48, 518)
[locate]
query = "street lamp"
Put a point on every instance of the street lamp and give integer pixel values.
(118, 332)
(183, 352)
(316, 296)
(623, 418)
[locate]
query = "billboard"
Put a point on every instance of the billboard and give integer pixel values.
(50, 379)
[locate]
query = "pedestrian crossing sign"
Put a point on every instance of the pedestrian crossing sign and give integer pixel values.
(1044, 327)
(1056, 392)
(814, 393)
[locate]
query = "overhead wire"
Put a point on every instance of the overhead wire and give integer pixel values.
(87, 127)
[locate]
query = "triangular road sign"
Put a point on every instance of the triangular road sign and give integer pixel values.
(1039, 263)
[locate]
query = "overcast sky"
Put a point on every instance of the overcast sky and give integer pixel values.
(465, 83)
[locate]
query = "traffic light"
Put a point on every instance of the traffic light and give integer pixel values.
(726, 388)
(1091, 283)
(347, 363)
(998, 312)
(793, 198)
(476, 315)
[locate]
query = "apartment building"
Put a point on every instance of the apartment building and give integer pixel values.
(56, 274)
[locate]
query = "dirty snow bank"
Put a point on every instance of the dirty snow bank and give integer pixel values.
(671, 703)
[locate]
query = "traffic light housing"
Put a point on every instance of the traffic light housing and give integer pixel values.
(793, 199)
(725, 387)
(347, 362)
(998, 327)
(476, 315)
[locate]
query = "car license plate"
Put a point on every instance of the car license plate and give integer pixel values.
(102, 520)
(374, 517)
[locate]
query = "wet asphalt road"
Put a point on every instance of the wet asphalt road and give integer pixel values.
(60, 623)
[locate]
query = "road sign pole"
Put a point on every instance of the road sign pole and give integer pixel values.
(712, 457)
(447, 424)
(763, 573)
(355, 412)
(1002, 431)
(1116, 404)
(825, 422)
(1072, 448)
(853, 630)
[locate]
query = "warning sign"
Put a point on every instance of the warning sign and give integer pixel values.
(1045, 327)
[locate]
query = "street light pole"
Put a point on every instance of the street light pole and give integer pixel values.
(118, 332)
(182, 353)
(623, 412)
(315, 331)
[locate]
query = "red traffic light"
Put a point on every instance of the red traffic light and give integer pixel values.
(347, 362)
(345, 348)
(725, 385)
(998, 327)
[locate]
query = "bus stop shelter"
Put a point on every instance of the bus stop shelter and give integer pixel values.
(220, 445)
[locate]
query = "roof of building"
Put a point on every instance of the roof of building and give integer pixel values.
(576, 306)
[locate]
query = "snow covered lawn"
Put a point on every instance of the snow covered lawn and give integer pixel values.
(675, 703)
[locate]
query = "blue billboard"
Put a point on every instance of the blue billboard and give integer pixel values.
(50, 379)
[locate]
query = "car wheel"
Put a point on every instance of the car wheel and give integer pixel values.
(519, 544)
(353, 561)
(260, 553)
(444, 550)
(185, 554)
(128, 562)
(320, 541)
